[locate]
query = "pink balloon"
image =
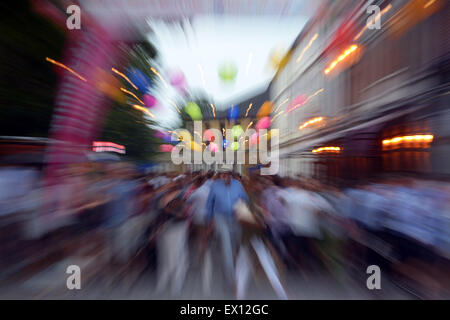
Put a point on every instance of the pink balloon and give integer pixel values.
(213, 147)
(297, 102)
(263, 123)
(177, 79)
(149, 100)
(165, 148)
(254, 138)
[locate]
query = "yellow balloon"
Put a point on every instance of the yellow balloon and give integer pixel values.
(195, 146)
(265, 110)
(184, 135)
(276, 57)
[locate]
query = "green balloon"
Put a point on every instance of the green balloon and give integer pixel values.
(237, 131)
(193, 110)
(227, 71)
(235, 146)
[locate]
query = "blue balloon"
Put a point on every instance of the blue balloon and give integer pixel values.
(139, 79)
(225, 143)
(233, 112)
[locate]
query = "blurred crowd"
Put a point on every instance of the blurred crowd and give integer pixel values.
(118, 223)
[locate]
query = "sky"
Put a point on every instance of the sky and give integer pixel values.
(199, 46)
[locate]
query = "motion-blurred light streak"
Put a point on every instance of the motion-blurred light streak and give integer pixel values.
(310, 122)
(132, 94)
(160, 77)
(59, 64)
(347, 52)
(143, 109)
(125, 77)
(307, 47)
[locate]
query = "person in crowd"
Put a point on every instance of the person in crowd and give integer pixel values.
(224, 195)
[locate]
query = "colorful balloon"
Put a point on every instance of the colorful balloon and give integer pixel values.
(254, 138)
(297, 102)
(225, 143)
(263, 123)
(149, 100)
(233, 112)
(196, 147)
(177, 79)
(209, 135)
(193, 110)
(139, 79)
(235, 146)
(237, 131)
(213, 147)
(165, 148)
(184, 135)
(276, 57)
(228, 71)
(265, 110)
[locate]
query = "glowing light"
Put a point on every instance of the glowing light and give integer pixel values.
(104, 146)
(279, 106)
(414, 138)
(309, 122)
(174, 104)
(340, 58)
(213, 110)
(249, 125)
(125, 77)
(143, 109)
(248, 109)
(160, 77)
(307, 47)
(327, 149)
(277, 115)
(132, 94)
(372, 21)
(305, 101)
(429, 3)
(59, 64)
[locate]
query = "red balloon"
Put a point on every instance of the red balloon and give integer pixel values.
(254, 138)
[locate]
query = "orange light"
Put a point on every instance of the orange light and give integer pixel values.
(304, 102)
(307, 47)
(279, 106)
(143, 109)
(309, 122)
(132, 94)
(327, 149)
(213, 110)
(249, 125)
(277, 115)
(248, 109)
(174, 104)
(340, 58)
(125, 77)
(429, 3)
(414, 138)
(160, 77)
(59, 64)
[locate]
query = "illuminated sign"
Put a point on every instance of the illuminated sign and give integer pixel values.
(104, 146)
